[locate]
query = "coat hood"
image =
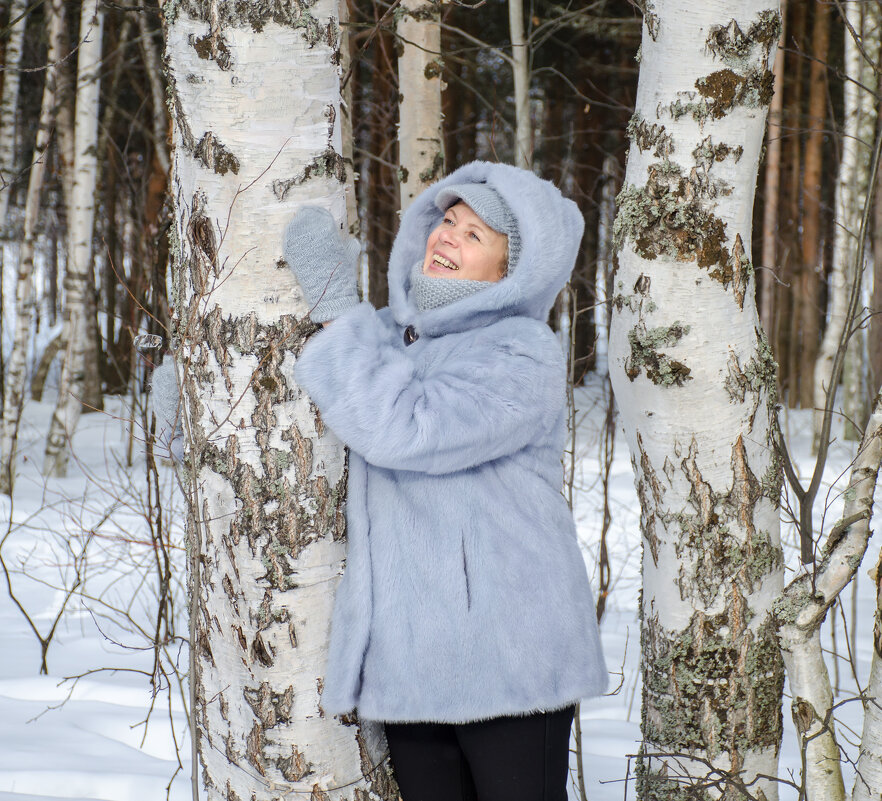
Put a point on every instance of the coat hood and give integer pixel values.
(550, 229)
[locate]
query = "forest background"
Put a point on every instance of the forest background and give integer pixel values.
(88, 238)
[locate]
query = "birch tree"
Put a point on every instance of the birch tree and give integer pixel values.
(9, 101)
(863, 34)
(520, 62)
(695, 382)
(799, 613)
(16, 367)
(420, 146)
(255, 102)
(78, 277)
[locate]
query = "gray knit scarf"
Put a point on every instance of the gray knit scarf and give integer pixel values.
(430, 293)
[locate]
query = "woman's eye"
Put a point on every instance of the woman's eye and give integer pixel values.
(474, 236)
(448, 221)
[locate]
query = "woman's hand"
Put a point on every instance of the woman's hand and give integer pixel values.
(323, 262)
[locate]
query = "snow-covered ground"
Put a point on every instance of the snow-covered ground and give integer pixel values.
(107, 736)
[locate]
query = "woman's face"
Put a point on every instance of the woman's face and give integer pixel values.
(464, 246)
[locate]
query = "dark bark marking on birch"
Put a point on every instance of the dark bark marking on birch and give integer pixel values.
(257, 13)
(254, 744)
(215, 156)
(328, 164)
(294, 767)
(269, 708)
(232, 795)
(212, 47)
(650, 137)
(726, 549)
(725, 89)
(733, 47)
(651, 492)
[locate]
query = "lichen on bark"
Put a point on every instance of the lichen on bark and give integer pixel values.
(715, 686)
(647, 136)
(666, 216)
(256, 14)
(645, 355)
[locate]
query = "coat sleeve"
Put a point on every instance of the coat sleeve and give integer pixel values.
(490, 396)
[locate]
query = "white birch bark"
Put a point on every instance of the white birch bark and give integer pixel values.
(520, 55)
(9, 104)
(256, 127)
(16, 367)
(695, 382)
(78, 278)
(420, 144)
(868, 779)
(852, 188)
(801, 610)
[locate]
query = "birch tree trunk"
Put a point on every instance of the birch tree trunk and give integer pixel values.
(78, 278)
(420, 145)
(852, 186)
(16, 367)
(868, 779)
(9, 104)
(695, 382)
(801, 610)
(520, 55)
(256, 124)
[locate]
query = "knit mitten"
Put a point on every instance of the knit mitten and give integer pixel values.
(324, 263)
(167, 408)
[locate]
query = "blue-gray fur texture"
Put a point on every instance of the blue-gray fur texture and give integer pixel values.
(465, 594)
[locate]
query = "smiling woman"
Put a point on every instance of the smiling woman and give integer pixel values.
(463, 246)
(464, 621)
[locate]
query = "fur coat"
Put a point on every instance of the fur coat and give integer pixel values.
(465, 594)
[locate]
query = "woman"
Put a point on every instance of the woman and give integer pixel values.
(464, 620)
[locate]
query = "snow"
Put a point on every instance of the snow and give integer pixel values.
(107, 737)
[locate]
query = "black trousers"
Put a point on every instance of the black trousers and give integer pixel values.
(503, 759)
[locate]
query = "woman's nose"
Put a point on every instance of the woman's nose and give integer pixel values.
(448, 236)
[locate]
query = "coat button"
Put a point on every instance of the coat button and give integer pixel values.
(410, 335)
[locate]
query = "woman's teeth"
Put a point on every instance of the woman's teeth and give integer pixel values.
(445, 262)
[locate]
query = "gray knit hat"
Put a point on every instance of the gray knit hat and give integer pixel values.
(490, 206)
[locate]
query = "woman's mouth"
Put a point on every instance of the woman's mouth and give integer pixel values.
(437, 258)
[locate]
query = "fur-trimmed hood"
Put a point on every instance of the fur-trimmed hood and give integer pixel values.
(550, 227)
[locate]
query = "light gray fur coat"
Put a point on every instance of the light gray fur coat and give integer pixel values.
(465, 595)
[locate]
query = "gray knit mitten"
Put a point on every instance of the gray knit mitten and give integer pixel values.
(323, 262)
(167, 407)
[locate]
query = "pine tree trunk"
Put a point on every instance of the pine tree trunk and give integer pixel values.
(420, 146)
(157, 92)
(852, 189)
(16, 367)
(9, 104)
(78, 331)
(774, 134)
(808, 283)
(695, 382)
(256, 126)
